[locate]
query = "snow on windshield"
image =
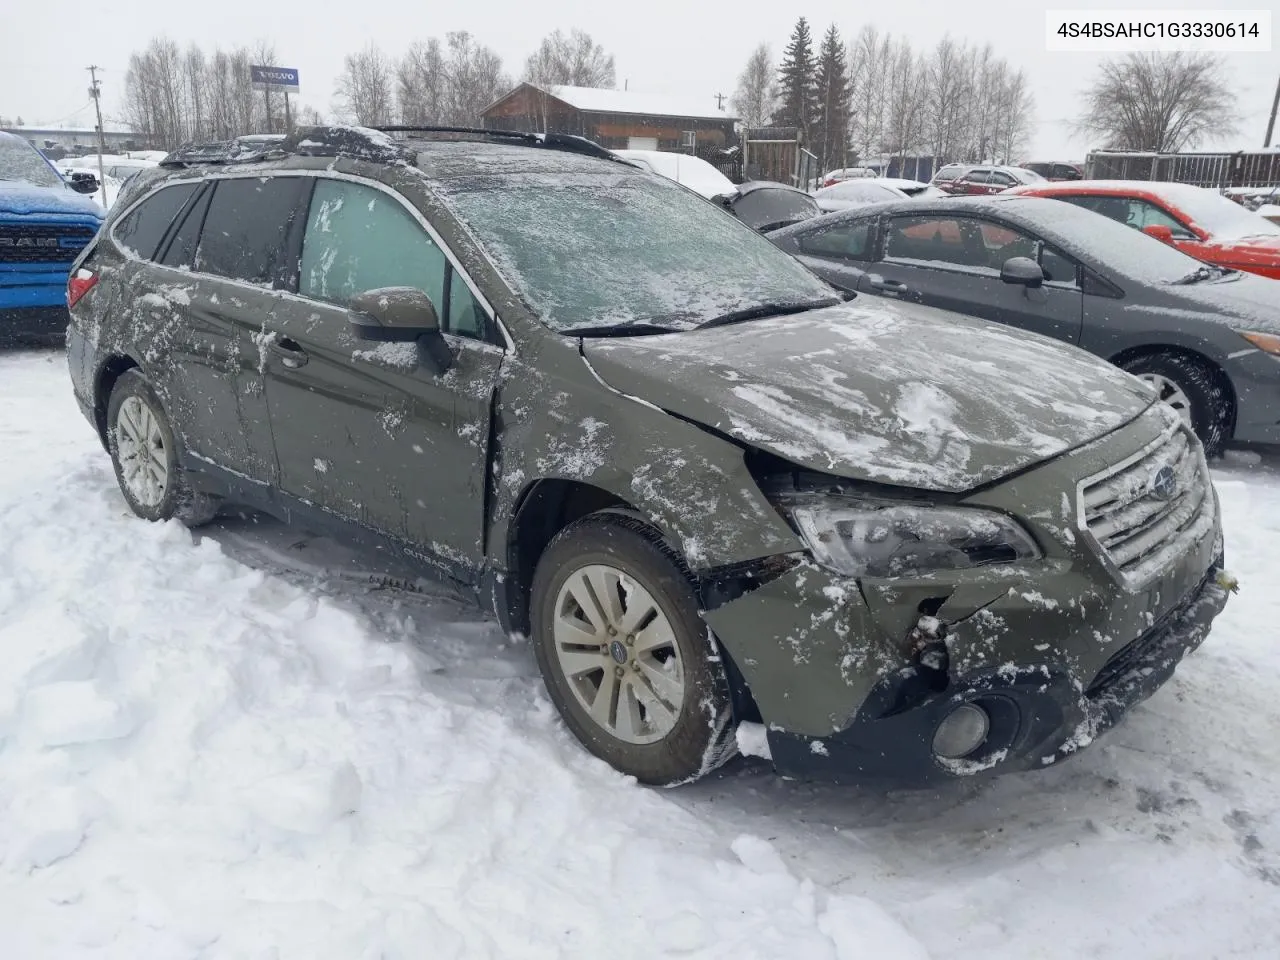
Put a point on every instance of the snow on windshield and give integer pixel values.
(1217, 216)
(21, 161)
(607, 248)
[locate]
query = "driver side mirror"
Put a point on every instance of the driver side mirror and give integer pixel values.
(401, 315)
(1023, 271)
(83, 183)
(1161, 231)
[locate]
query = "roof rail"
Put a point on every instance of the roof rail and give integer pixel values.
(550, 141)
(366, 143)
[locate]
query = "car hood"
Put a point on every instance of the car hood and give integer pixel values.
(25, 198)
(1243, 301)
(880, 391)
(1261, 250)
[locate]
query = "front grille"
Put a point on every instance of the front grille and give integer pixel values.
(1144, 511)
(42, 242)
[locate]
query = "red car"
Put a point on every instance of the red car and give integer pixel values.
(981, 181)
(1199, 222)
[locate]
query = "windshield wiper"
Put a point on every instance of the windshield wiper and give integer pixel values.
(1201, 273)
(619, 330)
(778, 308)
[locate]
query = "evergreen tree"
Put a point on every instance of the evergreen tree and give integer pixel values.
(797, 88)
(834, 96)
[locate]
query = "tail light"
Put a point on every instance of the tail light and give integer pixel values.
(78, 284)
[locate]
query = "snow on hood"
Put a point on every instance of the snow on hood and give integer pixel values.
(881, 391)
(1242, 301)
(23, 198)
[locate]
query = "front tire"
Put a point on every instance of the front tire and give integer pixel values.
(145, 456)
(625, 657)
(1193, 388)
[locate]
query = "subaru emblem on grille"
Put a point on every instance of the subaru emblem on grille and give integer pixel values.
(1164, 485)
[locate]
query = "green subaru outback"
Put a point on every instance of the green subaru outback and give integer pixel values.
(915, 545)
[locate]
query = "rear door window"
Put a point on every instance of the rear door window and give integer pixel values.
(359, 238)
(246, 230)
(141, 231)
(849, 241)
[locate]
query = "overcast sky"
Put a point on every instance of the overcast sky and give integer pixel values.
(660, 45)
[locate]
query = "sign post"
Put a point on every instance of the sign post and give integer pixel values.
(283, 79)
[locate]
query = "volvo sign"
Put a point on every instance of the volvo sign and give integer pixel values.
(282, 79)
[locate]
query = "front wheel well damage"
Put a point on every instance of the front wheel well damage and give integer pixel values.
(110, 372)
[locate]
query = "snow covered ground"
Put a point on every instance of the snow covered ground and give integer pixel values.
(254, 744)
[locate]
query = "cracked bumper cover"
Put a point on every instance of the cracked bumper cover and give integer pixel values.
(843, 704)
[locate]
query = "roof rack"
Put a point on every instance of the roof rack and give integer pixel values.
(550, 141)
(220, 151)
(366, 143)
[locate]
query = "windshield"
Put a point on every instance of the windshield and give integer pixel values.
(21, 161)
(1101, 240)
(1219, 217)
(1023, 175)
(587, 249)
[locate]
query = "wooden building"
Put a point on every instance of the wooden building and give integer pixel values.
(617, 119)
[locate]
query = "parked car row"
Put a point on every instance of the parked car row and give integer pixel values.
(707, 486)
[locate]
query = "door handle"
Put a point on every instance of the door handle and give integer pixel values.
(888, 286)
(288, 352)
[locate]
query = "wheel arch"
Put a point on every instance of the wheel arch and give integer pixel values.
(544, 508)
(111, 370)
(1130, 354)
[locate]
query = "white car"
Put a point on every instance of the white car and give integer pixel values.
(692, 172)
(118, 168)
(832, 177)
(915, 189)
(856, 193)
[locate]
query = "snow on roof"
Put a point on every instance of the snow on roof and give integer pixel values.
(601, 100)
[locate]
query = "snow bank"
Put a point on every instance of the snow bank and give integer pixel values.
(204, 759)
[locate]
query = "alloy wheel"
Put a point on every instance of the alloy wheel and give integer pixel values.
(144, 461)
(618, 654)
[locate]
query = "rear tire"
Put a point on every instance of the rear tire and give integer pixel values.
(1194, 388)
(145, 456)
(619, 641)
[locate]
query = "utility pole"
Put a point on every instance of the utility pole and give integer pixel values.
(1271, 124)
(95, 91)
(719, 101)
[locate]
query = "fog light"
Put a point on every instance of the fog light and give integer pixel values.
(961, 732)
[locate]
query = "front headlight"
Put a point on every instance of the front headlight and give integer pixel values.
(865, 539)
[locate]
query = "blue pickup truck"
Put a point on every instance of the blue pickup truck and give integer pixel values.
(44, 224)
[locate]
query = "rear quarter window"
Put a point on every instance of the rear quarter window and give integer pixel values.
(246, 231)
(140, 232)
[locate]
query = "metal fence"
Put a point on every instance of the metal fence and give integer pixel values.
(1218, 171)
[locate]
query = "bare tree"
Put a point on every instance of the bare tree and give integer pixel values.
(364, 88)
(309, 116)
(907, 76)
(754, 99)
(1159, 101)
(574, 60)
(171, 96)
(474, 79)
(868, 69)
(949, 94)
(420, 83)
(1014, 116)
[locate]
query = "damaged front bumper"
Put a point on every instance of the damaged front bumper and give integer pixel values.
(846, 699)
(1039, 714)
